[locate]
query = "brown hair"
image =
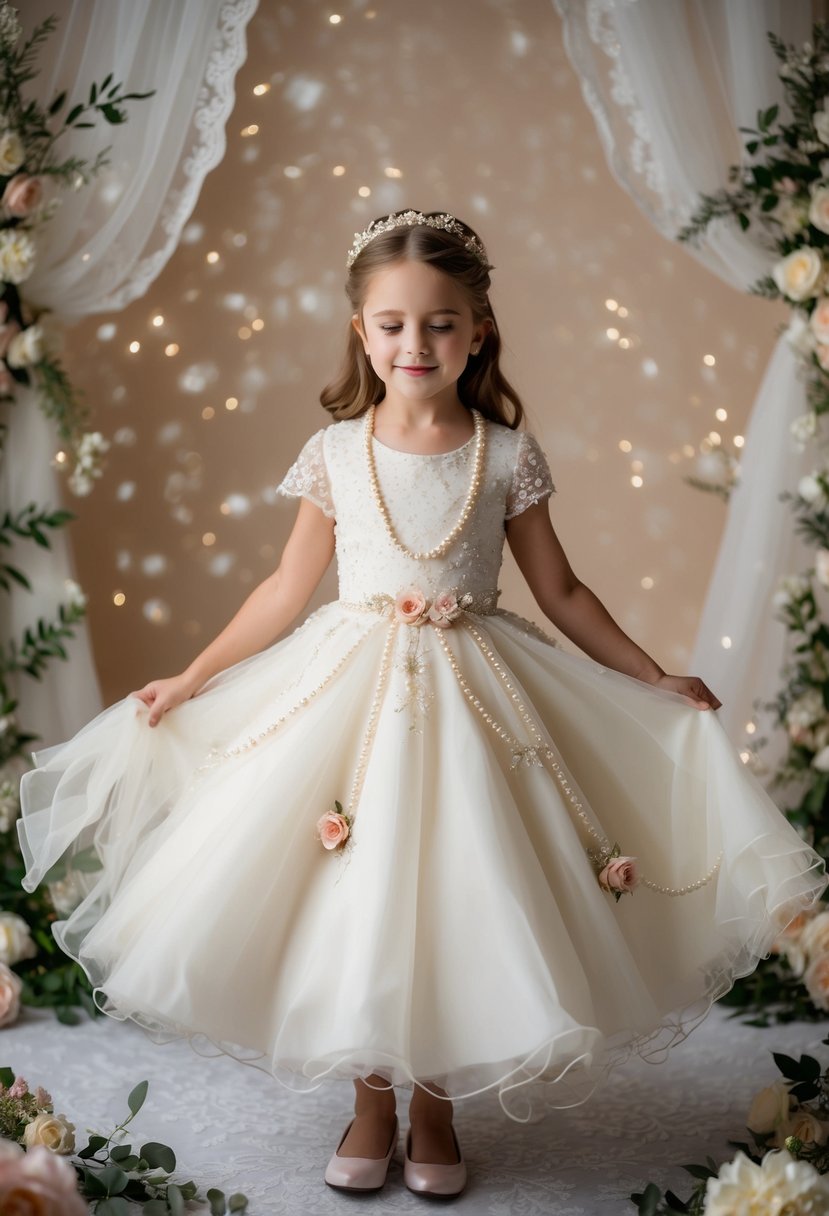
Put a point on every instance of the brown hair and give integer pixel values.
(482, 384)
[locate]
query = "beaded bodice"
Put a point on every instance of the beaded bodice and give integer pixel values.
(424, 495)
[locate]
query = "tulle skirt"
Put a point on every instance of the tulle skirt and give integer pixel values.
(459, 936)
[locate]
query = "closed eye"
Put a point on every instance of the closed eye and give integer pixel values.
(438, 329)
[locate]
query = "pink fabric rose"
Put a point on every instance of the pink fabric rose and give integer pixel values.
(410, 606)
(444, 610)
(619, 875)
(22, 194)
(10, 989)
(332, 829)
(37, 1183)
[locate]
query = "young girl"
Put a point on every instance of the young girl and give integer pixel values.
(415, 843)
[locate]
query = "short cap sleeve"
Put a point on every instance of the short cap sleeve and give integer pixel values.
(308, 477)
(531, 479)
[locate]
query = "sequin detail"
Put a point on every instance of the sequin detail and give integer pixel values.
(531, 480)
(308, 476)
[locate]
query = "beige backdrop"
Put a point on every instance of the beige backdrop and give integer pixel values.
(470, 106)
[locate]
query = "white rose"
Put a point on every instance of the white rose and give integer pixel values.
(26, 347)
(804, 428)
(779, 1184)
(769, 1110)
(54, 1132)
(821, 760)
(792, 214)
(799, 336)
(805, 1126)
(17, 255)
(821, 121)
(798, 274)
(792, 587)
(11, 987)
(819, 320)
(15, 939)
(810, 489)
(806, 710)
(12, 153)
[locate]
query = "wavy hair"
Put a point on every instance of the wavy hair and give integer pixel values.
(482, 385)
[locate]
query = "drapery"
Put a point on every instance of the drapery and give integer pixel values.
(669, 82)
(105, 245)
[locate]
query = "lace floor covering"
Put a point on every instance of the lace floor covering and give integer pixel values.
(232, 1126)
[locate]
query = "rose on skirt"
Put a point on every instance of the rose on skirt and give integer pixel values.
(619, 876)
(334, 827)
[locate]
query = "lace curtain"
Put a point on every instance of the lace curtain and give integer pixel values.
(669, 84)
(105, 245)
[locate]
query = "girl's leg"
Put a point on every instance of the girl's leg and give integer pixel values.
(374, 1111)
(430, 1116)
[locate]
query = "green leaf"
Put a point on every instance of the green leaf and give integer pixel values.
(136, 1099)
(95, 1143)
(700, 1171)
(675, 1204)
(156, 1207)
(175, 1200)
(649, 1200)
(91, 1184)
(113, 1178)
(57, 103)
(112, 1207)
(237, 1202)
(120, 1151)
(218, 1205)
(159, 1156)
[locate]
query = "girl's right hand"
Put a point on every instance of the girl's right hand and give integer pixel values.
(161, 695)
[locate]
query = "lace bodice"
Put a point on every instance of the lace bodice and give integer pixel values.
(424, 495)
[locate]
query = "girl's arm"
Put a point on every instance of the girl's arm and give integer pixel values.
(269, 609)
(578, 613)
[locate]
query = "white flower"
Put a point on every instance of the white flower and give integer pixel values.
(769, 1110)
(15, 939)
(54, 1132)
(790, 589)
(12, 153)
(792, 214)
(10, 27)
(804, 428)
(798, 275)
(17, 255)
(74, 593)
(26, 347)
(822, 567)
(9, 803)
(810, 489)
(6, 723)
(821, 760)
(779, 1185)
(800, 336)
(806, 710)
(80, 484)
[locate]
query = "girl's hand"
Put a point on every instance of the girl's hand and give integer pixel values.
(690, 686)
(161, 695)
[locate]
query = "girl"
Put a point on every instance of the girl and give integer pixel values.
(401, 844)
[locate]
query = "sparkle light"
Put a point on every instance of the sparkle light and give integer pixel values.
(612, 333)
(647, 582)
(171, 349)
(364, 191)
(392, 172)
(158, 320)
(252, 129)
(231, 403)
(625, 445)
(709, 360)
(721, 415)
(335, 18)
(60, 457)
(745, 757)
(624, 343)
(751, 727)
(209, 538)
(257, 324)
(212, 256)
(725, 643)
(611, 305)
(106, 331)
(621, 311)
(244, 333)
(636, 481)
(208, 412)
(338, 170)
(119, 598)
(259, 89)
(739, 440)
(134, 348)
(292, 171)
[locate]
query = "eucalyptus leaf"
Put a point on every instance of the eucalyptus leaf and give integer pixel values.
(159, 1155)
(136, 1099)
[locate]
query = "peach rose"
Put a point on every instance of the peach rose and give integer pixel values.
(798, 275)
(410, 606)
(619, 874)
(816, 980)
(444, 610)
(806, 1127)
(770, 1109)
(815, 939)
(54, 1132)
(332, 829)
(819, 320)
(10, 988)
(22, 194)
(37, 1183)
(819, 207)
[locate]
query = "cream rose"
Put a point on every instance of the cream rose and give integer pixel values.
(10, 988)
(54, 1132)
(778, 1184)
(819, 320)
(816, 979)
(444, 610)
(15, 939)
(17, 255)
(26, 347)
(819, 209)
(769, 1110)
(804, 428)
(37, 1183)
(815, 935)
(22, 194)
(332, 829)
(619, 874)
(798, 275)
(806, 710)
(12, 153)
(806, 1127)
(410, 606)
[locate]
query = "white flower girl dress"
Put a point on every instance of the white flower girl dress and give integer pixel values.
(459, 934)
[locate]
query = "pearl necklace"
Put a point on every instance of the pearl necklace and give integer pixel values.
(471, 496)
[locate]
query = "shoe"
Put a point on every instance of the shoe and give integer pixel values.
(360, 1173)
(436, 1181)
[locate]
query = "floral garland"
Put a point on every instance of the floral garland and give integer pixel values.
(31, 179)
(782, 192)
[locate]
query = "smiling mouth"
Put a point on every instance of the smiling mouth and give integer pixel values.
(419, 367)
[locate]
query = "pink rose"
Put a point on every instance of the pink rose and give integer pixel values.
(410, 606)
(37, 1183)
(444, 610)
(22, 194)
(10, 988)
(332, 829)
(619, 874)
(788, 185)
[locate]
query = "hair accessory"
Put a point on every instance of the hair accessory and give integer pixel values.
(409, 219)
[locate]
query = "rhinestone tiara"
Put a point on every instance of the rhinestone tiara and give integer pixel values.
(409, 219)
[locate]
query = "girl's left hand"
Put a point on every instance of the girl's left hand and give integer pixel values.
(690, 686)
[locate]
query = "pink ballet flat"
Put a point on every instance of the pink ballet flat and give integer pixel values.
(436, 1181)
(359, 1173)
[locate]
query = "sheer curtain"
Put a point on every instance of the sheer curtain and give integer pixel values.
(103, 248)
(669, 82)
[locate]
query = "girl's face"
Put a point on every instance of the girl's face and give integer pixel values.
(418, 331)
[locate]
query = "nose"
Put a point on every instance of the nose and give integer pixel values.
(416, 343)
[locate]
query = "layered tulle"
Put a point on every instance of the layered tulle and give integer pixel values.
(460, 936)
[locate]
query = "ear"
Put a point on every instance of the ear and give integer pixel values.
(481, 331)
(358, 326)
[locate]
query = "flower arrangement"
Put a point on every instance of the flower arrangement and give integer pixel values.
(411, 607)
(41, 1181)
(785, 1169)
(334, 827)
(616, 874)
(781, 193)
